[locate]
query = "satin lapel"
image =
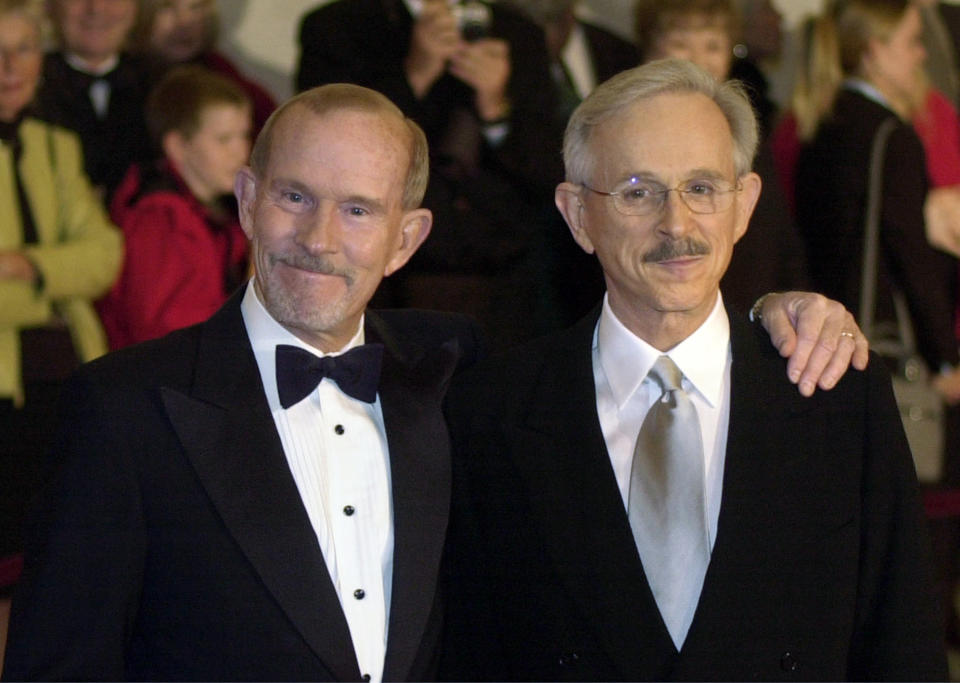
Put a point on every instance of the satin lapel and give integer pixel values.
(763, 474)
(228, 434)
(412, 386)
(581, 514)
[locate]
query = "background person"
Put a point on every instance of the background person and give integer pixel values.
(92, 85)
(172, 32)
(478, 92)
(58, 251)
(184, 250)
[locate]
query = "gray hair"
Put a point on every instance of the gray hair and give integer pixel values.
(647, 81)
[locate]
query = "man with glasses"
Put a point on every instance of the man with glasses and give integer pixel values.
(642, 497)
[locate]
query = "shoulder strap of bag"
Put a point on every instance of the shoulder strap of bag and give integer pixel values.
(906, 344)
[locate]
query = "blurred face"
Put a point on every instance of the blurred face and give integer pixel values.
(21, 59)
(662, 270)
(209, 159)
(894, 65)
(326, 222)
(94, 30)
(180, 28)
(703, 41)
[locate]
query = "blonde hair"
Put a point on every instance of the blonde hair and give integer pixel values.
(345, 96)
(838, 40)
(818, 76)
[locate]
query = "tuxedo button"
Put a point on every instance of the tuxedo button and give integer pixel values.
(359, 593)
(568, 659)
(348, 510)
(338, 429)
(789, 663)
(366, 677)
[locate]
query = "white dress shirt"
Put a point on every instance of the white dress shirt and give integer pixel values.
(336, 447)
(621, 361)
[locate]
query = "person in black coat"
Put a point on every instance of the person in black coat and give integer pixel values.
(92, 86)
(476, 88)
(814, 561)
(208, 522)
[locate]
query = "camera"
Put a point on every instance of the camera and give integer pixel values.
(473, 19)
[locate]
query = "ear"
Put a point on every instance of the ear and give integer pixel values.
(245, 190)
(414, 229)
(869, 67)
(570, 204)
(746, 202)
(173, 144)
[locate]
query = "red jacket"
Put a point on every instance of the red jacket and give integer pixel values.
(181, 262)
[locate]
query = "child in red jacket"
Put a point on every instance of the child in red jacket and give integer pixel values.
(185, 251)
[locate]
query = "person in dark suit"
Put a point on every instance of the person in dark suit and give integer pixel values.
(795, 547)
(93, 86)
(208, 523)
(582, 55)
(472, 76)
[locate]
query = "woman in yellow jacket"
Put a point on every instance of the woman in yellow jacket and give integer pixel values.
(58, 251)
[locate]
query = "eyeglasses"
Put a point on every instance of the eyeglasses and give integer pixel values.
(637, 197)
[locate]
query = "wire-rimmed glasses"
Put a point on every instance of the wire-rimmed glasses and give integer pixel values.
(642, 197)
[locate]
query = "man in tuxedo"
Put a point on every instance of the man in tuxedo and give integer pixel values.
(642, 497)
(249, 498)
(94, 87)
(216, 515)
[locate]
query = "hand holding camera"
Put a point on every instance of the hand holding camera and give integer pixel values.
(453, 37)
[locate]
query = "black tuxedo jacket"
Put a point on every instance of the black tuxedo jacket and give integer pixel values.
(174, 544)
(820, 567)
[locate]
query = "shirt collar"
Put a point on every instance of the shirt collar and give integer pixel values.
(626, 359)
(78, 64)
(868, 90)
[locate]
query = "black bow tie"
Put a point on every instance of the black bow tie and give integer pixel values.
(356, 372)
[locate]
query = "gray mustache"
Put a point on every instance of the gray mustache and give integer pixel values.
(672, 249)
(315, 264)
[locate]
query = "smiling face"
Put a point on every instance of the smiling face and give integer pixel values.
(662, 270)
(326, 221)
(21, 59)
(94, 30)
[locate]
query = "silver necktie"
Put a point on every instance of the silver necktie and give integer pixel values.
(666, 501)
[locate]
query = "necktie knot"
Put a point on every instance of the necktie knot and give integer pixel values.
(356, 372)
(666, 373)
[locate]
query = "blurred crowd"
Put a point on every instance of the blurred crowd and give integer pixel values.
(122, 128)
